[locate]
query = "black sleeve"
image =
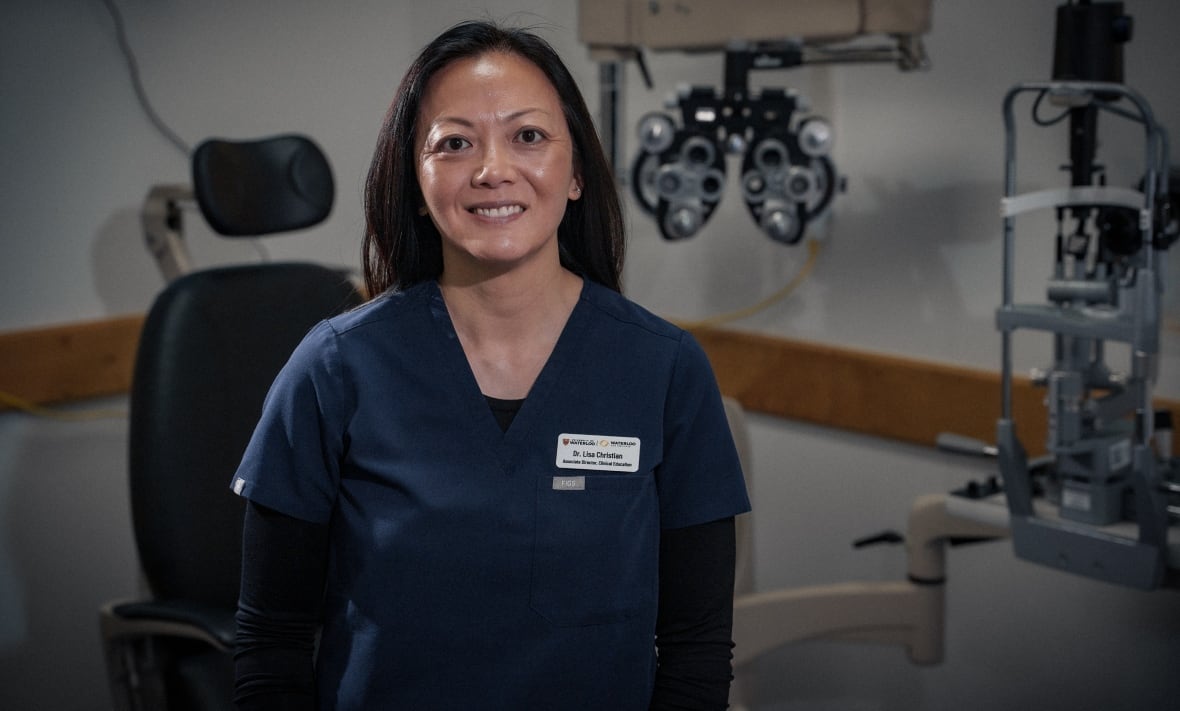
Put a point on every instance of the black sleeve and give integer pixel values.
(694, 627)
(284, 567)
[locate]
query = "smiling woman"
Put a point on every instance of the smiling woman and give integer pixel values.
(496, 170)
(403, 246)
(495, 165)
(411, 493)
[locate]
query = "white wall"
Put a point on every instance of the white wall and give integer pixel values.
(912, 260)
(910, 266)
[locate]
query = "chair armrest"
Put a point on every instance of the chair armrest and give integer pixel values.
(889, 612)
(173, 618)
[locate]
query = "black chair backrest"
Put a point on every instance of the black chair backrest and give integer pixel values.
(264, 186)
(211, 345)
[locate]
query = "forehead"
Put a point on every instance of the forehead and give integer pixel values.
(497, 82)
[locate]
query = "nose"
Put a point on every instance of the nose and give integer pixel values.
(495, 166)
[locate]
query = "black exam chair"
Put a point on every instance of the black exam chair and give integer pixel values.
(212, 342)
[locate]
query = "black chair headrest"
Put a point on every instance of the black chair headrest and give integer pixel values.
(249, 188)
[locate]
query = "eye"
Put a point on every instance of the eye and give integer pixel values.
(451, 144)
(530, 135)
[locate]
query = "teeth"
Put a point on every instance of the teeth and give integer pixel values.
(503, 211)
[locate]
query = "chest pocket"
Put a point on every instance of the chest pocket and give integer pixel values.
(595, 557)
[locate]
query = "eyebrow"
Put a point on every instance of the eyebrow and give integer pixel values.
(471, 124)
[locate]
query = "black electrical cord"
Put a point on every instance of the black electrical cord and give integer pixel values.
(137, 84)
(1036, 115)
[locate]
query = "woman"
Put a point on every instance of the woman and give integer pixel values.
(495, 484)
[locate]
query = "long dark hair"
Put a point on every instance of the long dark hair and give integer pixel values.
(402, 247)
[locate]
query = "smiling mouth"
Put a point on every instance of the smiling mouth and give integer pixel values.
(501, 211)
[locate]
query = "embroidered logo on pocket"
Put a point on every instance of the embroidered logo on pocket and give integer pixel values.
(569, 483)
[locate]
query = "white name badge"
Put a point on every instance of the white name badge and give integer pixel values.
(598, 452)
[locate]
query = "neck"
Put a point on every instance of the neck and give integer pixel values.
(509, 324)
(509, 304)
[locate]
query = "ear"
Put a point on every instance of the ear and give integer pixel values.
(575, 191)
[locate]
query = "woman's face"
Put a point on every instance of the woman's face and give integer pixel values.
(495, 163)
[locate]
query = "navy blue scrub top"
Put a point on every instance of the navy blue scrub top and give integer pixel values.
(476, 568)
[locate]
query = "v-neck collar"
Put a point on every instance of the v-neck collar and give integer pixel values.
(471, 399)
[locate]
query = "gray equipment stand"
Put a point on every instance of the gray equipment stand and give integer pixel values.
(1102, 462)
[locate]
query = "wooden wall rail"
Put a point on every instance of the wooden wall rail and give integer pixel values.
(870, 393)
(69, 362)
(881, 395)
